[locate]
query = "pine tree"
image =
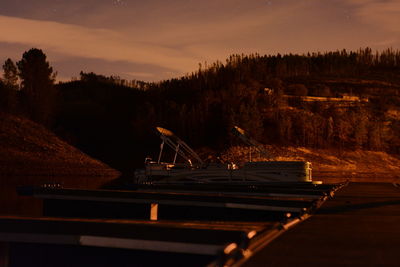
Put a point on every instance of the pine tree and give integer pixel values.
(8, 87)
(37, 87)
(10, 76)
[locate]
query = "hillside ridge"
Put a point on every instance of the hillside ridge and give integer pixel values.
(28, 148)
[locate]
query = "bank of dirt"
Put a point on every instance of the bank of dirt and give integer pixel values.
(32, 155)
(330, 165)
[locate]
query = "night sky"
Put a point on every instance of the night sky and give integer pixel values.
(158, 39)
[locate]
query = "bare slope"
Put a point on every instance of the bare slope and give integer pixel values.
(30, 149)
(30, 155)
(332, 165)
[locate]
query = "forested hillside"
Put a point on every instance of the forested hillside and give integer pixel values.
(335, 100)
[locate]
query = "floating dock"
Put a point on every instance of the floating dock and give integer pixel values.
(168, 224)
(359, 227)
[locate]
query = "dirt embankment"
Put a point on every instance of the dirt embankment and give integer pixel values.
(331, 165)
(30, 149)
(32, 155)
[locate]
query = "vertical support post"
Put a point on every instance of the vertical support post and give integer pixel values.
(161, 150)
(176, 153)
(154, 212)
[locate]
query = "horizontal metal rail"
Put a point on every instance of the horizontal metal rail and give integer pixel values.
(236, 254)
(176, 199)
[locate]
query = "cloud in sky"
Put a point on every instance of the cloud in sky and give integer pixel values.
(86, 42)
(155, 40)
(384, 14)
(380, 18)
(71, 67)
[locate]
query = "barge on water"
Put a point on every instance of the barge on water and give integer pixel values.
(194, 169)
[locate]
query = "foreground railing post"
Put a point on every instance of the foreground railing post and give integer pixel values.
(154, 212)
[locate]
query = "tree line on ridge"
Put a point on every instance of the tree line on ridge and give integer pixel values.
(113, 119)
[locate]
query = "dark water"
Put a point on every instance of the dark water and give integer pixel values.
(43, 255)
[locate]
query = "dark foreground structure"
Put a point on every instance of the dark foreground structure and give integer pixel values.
(359, 227)
(207, 225)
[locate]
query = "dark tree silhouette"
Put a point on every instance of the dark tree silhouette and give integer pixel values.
(114, 120)
(37, 88)
(10, 75)
(8, 87)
